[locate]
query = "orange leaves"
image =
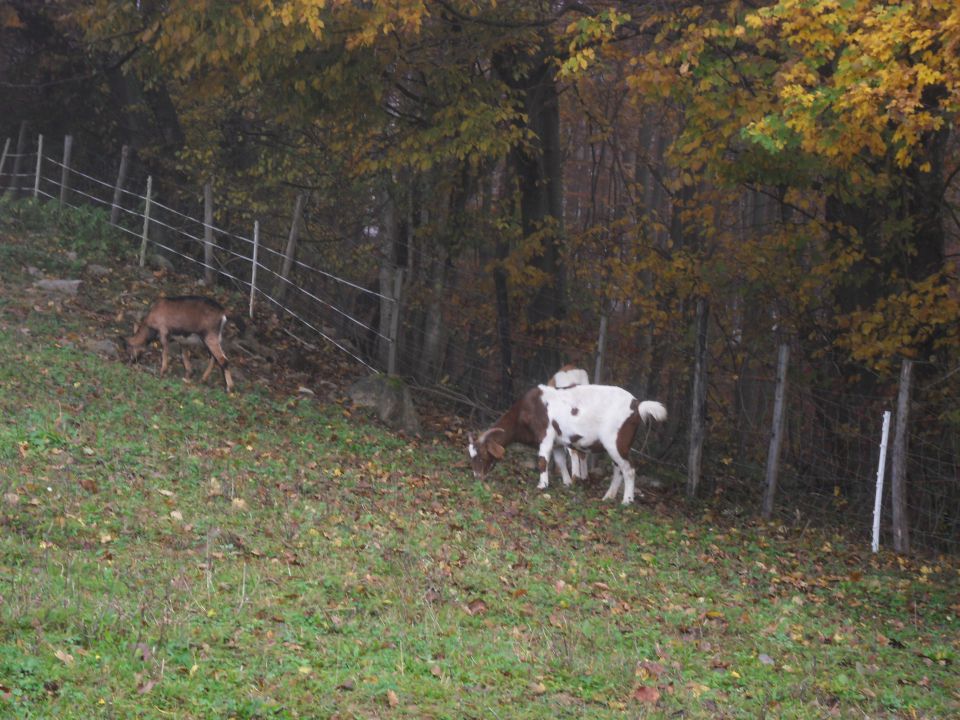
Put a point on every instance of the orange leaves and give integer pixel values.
(898, 324)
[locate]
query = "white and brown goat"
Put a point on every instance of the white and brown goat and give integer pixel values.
(586, 417)
(182, 318)
(566, 377)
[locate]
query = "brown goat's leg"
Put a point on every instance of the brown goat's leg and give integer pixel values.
(206, 373)
(164, 353)
(212, 341)
(186, 359)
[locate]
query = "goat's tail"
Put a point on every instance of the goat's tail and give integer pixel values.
(652, 410)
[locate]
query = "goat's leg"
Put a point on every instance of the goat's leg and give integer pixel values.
(578, 460)
(186, 359)
(212, 341)
(543, 458)
(206, 373)
(164, 352)
(614, 484)
(560, 460)
(626, 475)
(629, 474)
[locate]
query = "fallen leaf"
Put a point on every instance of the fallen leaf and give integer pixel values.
(64, 657)
(392, 699)
(646, 694)
(476, 607)
(537, 688)
(177, 515)
(146, 687)
(648, 668)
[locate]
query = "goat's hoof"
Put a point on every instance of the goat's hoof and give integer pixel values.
(541, 486)
(627, 501)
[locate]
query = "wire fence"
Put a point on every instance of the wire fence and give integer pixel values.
(443, 338)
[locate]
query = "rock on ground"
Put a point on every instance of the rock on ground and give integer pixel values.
(391, 399)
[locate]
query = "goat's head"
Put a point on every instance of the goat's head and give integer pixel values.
(485, 451)
(131, 350)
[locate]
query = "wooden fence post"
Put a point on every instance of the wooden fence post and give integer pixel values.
(118, 188)
(395, 322)
(14, 189)
(3, 160)
(898, 480)
(36, 177)
(208, 234)
(776, 436)
(601, 351)
(292, 240)
(65, 171)
(253, 263)
(146, 223)
(699, 399)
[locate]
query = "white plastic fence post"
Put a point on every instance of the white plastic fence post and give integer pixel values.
(253, 271)
(881, 468)
(146, 223)
(36, 178)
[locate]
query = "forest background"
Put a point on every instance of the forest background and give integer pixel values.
(731, 176)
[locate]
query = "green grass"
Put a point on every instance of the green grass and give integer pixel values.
(169, 551)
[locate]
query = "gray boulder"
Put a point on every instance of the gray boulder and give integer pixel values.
(390, 398)
(65, 287)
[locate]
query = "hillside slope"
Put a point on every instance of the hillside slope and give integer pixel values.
(168, 550)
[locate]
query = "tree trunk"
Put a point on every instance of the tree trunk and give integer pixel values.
(538, 171)
(898, 481)
(429, 365)
(698, 402)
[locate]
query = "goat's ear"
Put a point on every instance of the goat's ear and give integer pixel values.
(496, 449)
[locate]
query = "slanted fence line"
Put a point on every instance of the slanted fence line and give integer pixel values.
(151, 204)
(825, 451)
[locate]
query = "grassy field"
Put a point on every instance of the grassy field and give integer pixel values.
(169, 551)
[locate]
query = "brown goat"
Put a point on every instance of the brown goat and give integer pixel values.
(183, 317)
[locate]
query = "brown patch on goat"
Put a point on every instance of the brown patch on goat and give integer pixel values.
(575, 411)
(626, 433)
(556, 426)
(574, 439)
(533, 415)
(542, 464)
